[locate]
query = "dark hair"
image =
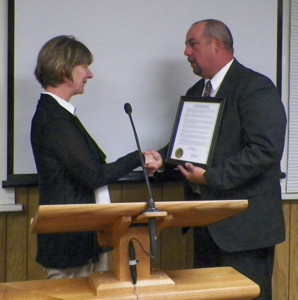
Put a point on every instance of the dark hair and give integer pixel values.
(58, 57)
(217, 29)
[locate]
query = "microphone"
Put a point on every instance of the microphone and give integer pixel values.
(151, 204)
(132, 262)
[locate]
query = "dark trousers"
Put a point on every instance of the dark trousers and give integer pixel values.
(255, 264)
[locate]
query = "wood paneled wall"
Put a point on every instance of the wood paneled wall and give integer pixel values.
(18, 245)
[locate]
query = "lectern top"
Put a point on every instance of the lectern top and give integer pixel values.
(95, 217)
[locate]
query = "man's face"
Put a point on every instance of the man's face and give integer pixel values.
(199, 51)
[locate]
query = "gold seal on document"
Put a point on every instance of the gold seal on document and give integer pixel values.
(179, 153)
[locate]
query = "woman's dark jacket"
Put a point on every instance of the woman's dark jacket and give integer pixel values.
(70, 167)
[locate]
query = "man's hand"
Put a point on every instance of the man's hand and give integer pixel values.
(193, 174)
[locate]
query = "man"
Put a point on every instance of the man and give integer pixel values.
(246, 161)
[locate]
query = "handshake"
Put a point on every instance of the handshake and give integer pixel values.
(153, 161)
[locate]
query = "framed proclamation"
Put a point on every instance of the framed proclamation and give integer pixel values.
(195, 130)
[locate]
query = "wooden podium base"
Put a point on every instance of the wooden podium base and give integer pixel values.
(122, 223)
(104, 282)
(211, 283)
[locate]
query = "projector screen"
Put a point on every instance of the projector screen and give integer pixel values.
(138, 50)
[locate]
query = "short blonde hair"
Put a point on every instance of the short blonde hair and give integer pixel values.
(58, 57)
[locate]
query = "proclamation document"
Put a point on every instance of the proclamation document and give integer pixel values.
(195, 130)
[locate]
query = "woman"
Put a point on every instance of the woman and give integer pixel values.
(69, 163)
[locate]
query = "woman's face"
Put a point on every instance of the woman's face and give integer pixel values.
(80, 75)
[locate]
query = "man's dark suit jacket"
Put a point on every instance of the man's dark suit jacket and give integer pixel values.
(246, 161)
(70, 166)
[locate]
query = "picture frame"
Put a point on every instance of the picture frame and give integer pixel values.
(195, 130)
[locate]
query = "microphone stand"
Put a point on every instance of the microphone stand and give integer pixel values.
(151, 203)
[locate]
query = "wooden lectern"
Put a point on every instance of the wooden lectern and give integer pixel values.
(117, 224)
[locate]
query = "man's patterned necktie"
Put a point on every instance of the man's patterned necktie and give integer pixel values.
(208, 87)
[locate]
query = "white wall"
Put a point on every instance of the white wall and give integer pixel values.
(6, 195)
(138, 49)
